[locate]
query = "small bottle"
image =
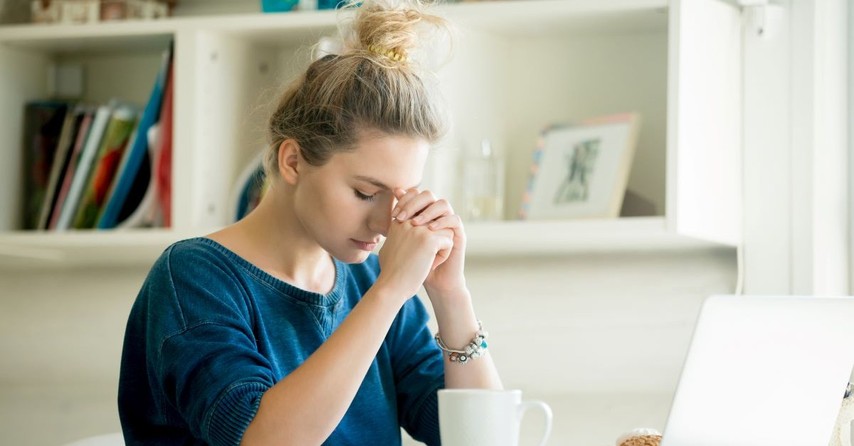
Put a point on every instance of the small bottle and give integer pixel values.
(483, 180)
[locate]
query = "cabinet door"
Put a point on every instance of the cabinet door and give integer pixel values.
(704, 115)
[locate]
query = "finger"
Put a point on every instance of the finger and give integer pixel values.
(439, 208)
(440, 258)
(446, 246)
(452, 221)
(412, 206)
(447, 238)
(403, 196)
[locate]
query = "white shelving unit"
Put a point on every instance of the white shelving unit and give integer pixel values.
(518, 67)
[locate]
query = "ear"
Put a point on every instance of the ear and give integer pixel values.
(289, 161)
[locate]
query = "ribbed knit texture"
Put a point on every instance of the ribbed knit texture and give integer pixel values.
(233, 412)
(209, 333)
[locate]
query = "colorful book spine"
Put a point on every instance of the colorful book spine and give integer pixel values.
(60, 163)
(113, 144)
(43, 124)
(163, 166)
(133, 156)
(77, 148)
(84, 166)
(150, 196)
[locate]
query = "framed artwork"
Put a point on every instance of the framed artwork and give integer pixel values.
(581, 170)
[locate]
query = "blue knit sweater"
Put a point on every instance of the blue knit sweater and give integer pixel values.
(209, 333)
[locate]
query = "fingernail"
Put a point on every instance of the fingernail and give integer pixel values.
(401, 216)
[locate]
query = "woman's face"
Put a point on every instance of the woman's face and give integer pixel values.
(345, 205)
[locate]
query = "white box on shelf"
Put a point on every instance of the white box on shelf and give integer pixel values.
(92, 11)
(66, 11)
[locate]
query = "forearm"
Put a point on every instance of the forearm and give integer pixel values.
(307, 405)
(457, 326)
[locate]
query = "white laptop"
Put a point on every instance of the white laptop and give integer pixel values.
(764, 371)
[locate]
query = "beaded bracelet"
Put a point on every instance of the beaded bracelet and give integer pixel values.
(475, 349)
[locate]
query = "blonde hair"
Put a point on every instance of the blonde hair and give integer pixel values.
(372, 85)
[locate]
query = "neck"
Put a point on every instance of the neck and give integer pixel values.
(282, 246)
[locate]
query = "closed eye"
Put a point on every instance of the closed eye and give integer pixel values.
(364, 197)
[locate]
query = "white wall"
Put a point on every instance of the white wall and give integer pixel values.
(600, 337)
(60, 340)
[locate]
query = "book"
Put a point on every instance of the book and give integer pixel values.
(77, 148)
(116, 136)
(137, 150)
(145, 205)
(163, 164)
(84, 165)
(43, 124)
(139, 208)
(61, 159)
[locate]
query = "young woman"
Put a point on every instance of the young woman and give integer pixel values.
(284, 328)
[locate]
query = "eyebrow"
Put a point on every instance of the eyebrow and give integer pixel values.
(377, 182)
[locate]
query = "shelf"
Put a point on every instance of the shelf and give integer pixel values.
(562, 17)
(99, 37)
(74, 249)
(534, 238)
(275, 29)
(512, 18)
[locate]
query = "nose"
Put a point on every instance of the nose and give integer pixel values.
(379, 219)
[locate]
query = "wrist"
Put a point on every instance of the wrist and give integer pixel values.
(453, 294)
(389, 290)
(456, 318)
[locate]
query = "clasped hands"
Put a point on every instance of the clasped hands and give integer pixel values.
(425, 244)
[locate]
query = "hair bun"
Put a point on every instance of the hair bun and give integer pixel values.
(390, 28)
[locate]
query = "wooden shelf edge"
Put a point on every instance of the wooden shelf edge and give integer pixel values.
(536, 238)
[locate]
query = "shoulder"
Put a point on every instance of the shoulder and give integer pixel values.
(195, 257)
(195, 274)
(195, 250)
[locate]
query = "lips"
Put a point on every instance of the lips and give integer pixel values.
(365, 246)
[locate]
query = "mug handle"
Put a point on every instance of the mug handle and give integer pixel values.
(547, 411)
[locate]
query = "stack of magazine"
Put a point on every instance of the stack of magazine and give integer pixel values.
(99, 166)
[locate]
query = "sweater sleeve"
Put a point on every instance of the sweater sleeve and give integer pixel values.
(209, 368)
(418, 372)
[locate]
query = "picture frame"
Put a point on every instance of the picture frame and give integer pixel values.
(581, 170)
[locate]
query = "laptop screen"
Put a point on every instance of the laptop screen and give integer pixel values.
(764, 370)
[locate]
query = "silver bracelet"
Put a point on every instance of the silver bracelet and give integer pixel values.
(475, 349)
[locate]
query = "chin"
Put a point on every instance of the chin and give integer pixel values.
(351, 256)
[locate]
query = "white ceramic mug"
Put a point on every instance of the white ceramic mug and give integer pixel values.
(479, 417)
